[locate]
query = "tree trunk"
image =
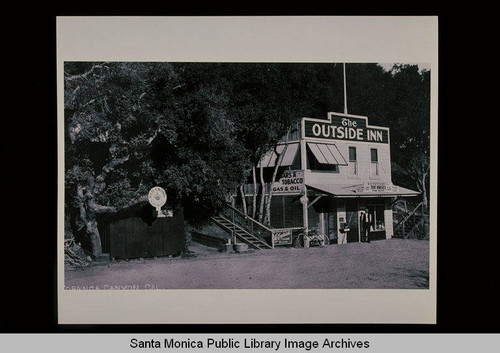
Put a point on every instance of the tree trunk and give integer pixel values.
(243, 200)
(254, 198)
(95, 237)
(424, 195)
(89, 208)
(267, 219)
(88, 217)
(263, 194)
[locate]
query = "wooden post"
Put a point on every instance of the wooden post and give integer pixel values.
(361, 224)
(305, 212)
(303, 146)
(234, 227)
(305, 215)
(345, 90)
(322, 222)
(404, 223)
(303, 165)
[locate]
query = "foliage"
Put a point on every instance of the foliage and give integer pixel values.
(196, 155)
(400, 100)
(198, 128)
(106, 121)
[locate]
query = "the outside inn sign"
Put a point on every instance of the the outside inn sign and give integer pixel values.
(345, 127)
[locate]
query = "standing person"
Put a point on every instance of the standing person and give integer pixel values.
(342, 238)
(366, 221)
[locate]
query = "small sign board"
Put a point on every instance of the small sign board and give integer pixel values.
(291, 182)
(377, 187)
(282, 236)
(167, 213)
(157, 198)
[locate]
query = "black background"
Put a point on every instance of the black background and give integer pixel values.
(468, 293)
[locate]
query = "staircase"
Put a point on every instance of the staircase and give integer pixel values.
(243, 228)
(411, 224)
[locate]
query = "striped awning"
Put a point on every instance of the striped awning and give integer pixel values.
(327, 153)
(287, 153)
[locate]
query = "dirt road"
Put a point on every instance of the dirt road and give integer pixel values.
(392, 263)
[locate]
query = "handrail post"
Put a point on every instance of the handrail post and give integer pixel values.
(234, 227)
(237, 213)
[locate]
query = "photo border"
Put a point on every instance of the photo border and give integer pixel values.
(318, 39)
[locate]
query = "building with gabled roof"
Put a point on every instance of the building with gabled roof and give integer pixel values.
(330, 171)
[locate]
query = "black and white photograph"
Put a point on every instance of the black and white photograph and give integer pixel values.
(236, 180)
(246, 175)
(225, 177)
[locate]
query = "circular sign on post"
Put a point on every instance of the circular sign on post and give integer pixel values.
(157, 198)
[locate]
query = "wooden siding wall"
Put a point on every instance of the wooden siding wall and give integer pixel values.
(363, 162)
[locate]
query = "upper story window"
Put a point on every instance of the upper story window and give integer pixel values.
(317, 161)
(353, 162)
(374, 169)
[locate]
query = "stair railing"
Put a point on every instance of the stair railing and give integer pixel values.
(251, 225)
(402, 223)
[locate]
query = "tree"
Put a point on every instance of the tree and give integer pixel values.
(200, 159)
(400, 100)
(265, 100)
(409, 96)
(367, 86)
(130, 126)
(106, 141)
(279, 157)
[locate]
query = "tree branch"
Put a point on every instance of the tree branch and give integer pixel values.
(135, 201)
(100, 184)
(84, 75)
(101, 208)
(112, 164)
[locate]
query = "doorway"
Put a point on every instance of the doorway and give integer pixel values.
(352, 221)
(331, 227)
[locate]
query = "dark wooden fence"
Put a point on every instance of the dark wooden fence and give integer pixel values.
(133, 238)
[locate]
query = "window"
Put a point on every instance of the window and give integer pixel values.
(377, 212)
(353, 162)
(318, 165)
(374, 162)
